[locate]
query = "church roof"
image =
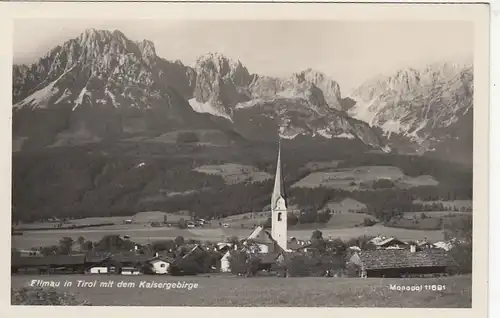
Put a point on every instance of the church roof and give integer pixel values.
(279, 187)
(260, 235)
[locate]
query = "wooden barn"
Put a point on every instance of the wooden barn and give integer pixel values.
(402, 262)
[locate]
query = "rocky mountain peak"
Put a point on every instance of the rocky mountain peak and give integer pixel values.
(330, 89)
(224, 67)
(421, 105)
(147, 49)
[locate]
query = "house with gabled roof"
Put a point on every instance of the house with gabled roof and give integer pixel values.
(387, 242)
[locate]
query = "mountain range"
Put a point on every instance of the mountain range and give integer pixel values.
(102, 125)
(102, 85)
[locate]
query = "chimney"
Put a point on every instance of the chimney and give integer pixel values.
(413, 248)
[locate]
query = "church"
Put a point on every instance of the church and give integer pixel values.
(277, 239)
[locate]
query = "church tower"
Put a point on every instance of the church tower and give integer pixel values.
(278, 207)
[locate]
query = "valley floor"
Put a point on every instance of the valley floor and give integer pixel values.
(143, 234)
(234, 291)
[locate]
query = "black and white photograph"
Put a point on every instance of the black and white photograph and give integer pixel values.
(250, 162)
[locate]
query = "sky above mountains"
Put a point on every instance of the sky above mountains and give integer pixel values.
(348, 51)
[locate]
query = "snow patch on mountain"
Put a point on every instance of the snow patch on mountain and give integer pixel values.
(207, 108)
(249, 104)
(324, 133)
(346, 136)
(65, 95)
(79, 99)
(40, 98)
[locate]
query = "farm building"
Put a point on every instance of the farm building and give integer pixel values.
(98, 270)
(401, 262)
(128, 270)
(47, 264)
(27, 253)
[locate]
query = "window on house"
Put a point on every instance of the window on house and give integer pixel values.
(279, 216)
(162, 265)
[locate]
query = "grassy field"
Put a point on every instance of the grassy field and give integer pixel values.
(235, 173)
(270, 291)
(349, 179)
(144, 234)
(348, 220)
(139, 220)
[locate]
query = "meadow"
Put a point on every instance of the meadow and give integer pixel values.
(221, 290)
(349, 179)
(235, 173)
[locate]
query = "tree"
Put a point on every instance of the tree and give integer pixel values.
(49, 250)
(317, 235)
(88, 245)
(233, 240)
(292, 219)
(267, 224)
(81, 242)
(368, 222)
(65, 245)
(182, 223)
(179, 241)
(163, 245)
(324, 217)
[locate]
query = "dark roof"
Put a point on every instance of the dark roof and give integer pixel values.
(130, 257)
(395, 258)
(162, 258)
(96, 257)
(51, 260)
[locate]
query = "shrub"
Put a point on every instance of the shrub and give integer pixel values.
(383, 184)
(369, 222)
(32, 296)
(187, 137)
(309, 265)
(237, 262)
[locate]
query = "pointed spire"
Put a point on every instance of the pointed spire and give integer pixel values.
(279, 188)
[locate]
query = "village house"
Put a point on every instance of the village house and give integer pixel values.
(98, 270)
(159, 265)
(401, 262)
(382, 242)
(224, 262)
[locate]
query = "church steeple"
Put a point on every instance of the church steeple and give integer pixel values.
(279, 188)
(279, 211)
